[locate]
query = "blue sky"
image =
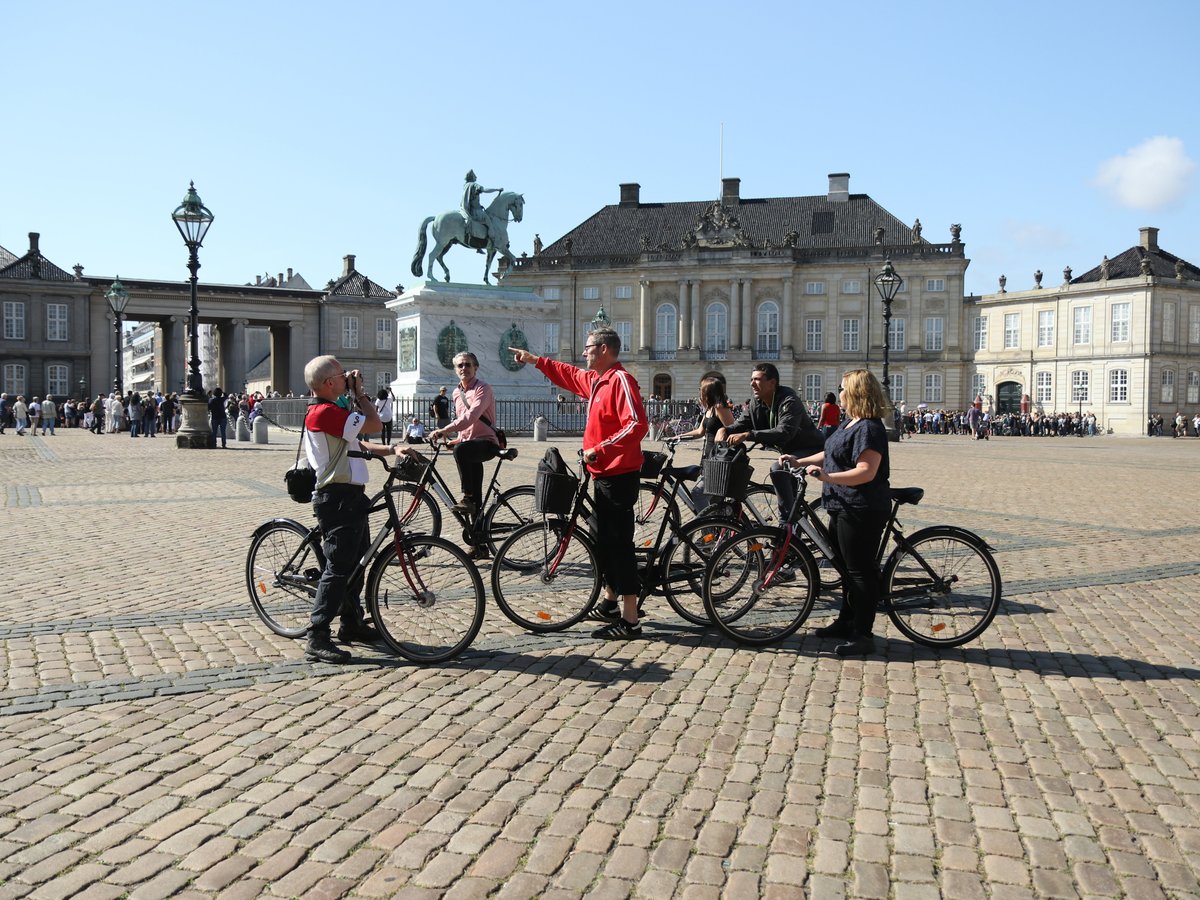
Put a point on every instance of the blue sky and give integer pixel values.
(1050, 131)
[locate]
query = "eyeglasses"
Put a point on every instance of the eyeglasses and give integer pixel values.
(596, 347)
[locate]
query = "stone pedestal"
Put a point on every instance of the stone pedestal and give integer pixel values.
(194, 431)
(434, 320)
(243, 429)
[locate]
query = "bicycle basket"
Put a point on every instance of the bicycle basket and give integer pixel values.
(411, 467)
(652, 463)
(727, 478)
(554, 493)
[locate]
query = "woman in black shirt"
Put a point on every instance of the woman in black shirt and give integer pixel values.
(854, 469)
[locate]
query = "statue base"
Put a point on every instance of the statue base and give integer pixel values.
(194, 432)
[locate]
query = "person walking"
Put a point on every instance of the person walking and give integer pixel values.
(4, 410)
(49, 415)
(831, 415)
(612, 452)
(854, 470)
(440, 409)
(21, 414)
(217, 417)
(35, 414)
(386, 409)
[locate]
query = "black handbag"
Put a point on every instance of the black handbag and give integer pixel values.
(301, 480)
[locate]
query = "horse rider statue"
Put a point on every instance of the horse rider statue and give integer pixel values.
(473, 209)
(471, 225)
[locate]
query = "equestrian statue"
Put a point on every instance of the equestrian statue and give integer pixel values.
(472, 226)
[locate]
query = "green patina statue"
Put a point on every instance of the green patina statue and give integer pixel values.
(472, 226)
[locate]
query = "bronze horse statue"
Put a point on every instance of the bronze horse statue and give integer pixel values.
(450, 228)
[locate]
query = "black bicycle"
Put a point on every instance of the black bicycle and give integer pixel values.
(424, 594)
(941, 585)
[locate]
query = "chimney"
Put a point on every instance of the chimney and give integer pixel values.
(839, 187)
(347, 264)
(631, 194)
(257, 280)
(730, 190)
(33, 242)
(279, 279)
(1149, 238)
(289, 273)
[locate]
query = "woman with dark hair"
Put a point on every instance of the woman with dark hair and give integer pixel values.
(383, 403)
(854, 470)
(717, 415)
(831, 415)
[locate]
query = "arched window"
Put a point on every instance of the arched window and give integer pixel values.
(767, 346)
(716, 330)
(14, 380)
(662, 386)
(1167, 394)
(1118, 386)
(666, 328)
(1193, 387)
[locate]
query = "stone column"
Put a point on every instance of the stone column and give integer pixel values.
(174, 353)
(645, 317)
(747, 314)
(735, 316)
(281, 346)
(232, 369)
(785, 317)
(697, 315)
(684, 329)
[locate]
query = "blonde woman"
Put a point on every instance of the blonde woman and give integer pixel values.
(854, 470)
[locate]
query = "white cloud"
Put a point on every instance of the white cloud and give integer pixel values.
(1153, 175)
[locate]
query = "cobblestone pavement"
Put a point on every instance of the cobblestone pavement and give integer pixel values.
(156, 739)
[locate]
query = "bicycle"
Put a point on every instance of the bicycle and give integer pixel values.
(545, 576)
(424, 594)
(502, 512)
(941, 585)
(662, 476)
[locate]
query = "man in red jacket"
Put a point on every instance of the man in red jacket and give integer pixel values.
(612, 451)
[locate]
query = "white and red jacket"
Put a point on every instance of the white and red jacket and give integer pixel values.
(616, 421)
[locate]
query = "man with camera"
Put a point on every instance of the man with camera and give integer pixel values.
(343, 411)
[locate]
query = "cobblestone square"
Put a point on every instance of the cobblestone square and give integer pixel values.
(156, 739)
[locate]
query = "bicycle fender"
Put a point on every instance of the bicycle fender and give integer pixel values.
(961, 532)
(271, 523)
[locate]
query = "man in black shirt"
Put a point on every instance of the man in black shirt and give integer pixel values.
(776, 418)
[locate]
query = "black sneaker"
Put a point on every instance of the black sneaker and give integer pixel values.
(620, 630)
(357, 633)
(785, 574)
(321, 649)
(605, 611)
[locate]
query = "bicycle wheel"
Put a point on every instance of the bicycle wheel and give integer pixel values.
(544, 581)
(943, 587)
(683, 568)
(649, 511)
(762, 507)
(282, 570)
(758, 592)
(512, 509)
(419, 514)
(428, 600)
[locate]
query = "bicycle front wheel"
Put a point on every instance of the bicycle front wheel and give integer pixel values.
(762, 506)
(544, 578)
(282, 570)
(943, 587)
(650, 509)
(427, 600)
(686, 561)
(759, 587)
(512, 509)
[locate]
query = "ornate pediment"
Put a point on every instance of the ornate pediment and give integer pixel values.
(718, 226)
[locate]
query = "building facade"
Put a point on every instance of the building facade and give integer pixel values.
(1121, 340)
(716, 287)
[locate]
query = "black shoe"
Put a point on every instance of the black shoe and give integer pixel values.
(357, 633)
(604, 611)
(835, 629)
(785, 574)
(859, 646)
(465, 507)
(321, 649)
(620, 630)
(479, 553)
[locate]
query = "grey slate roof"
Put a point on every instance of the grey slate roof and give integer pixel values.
(819, 223)
(6, 258)
(1129, 265)
(358, 286)
(33, 266)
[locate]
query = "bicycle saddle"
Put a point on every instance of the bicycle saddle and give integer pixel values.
(684, 473)
(508, 454)
(908, 495)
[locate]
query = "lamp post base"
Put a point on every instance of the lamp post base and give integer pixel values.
(889, 424)
(194, 431)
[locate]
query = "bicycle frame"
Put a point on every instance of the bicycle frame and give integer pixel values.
(432, 480)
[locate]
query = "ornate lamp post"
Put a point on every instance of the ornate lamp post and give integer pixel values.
(117, 298)
(888, 283)
(193, 219)
(83, 394)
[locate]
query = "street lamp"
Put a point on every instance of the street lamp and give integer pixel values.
(118, 299)
(83, 394)
(888, 283)
(193, 219)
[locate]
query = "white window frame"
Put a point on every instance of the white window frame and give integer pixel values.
(551, 339)
(1118, 386)
(1121, 313)
(623, 292)
(981, 332)
(1166, 392)
(1193, 387)
(624, 328)
(935, 333)
(551, 293)
(812, 388)
(1081, 325)
(349, 332)
(766, 329)
(1194, 323)
(1045, 328)
(933, 387)
(978, 386)
(1168, 324)
(852, 286)
(58, 380)
(1081, 386)
(591, 292)
(383, 380)
(1012, 331)
(935, 285)
(850, 332)
(16, 380)
(383, 334)
(1043, 388)
(895, 335)
(14, 320)
(58, 316)
(666, 328)
(896, 387)
(814, 287)
(716, 328)
(814, 335)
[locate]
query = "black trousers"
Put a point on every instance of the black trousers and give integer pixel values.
(342, 513)
(856, 535)
(615, 496)
(470, 457)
